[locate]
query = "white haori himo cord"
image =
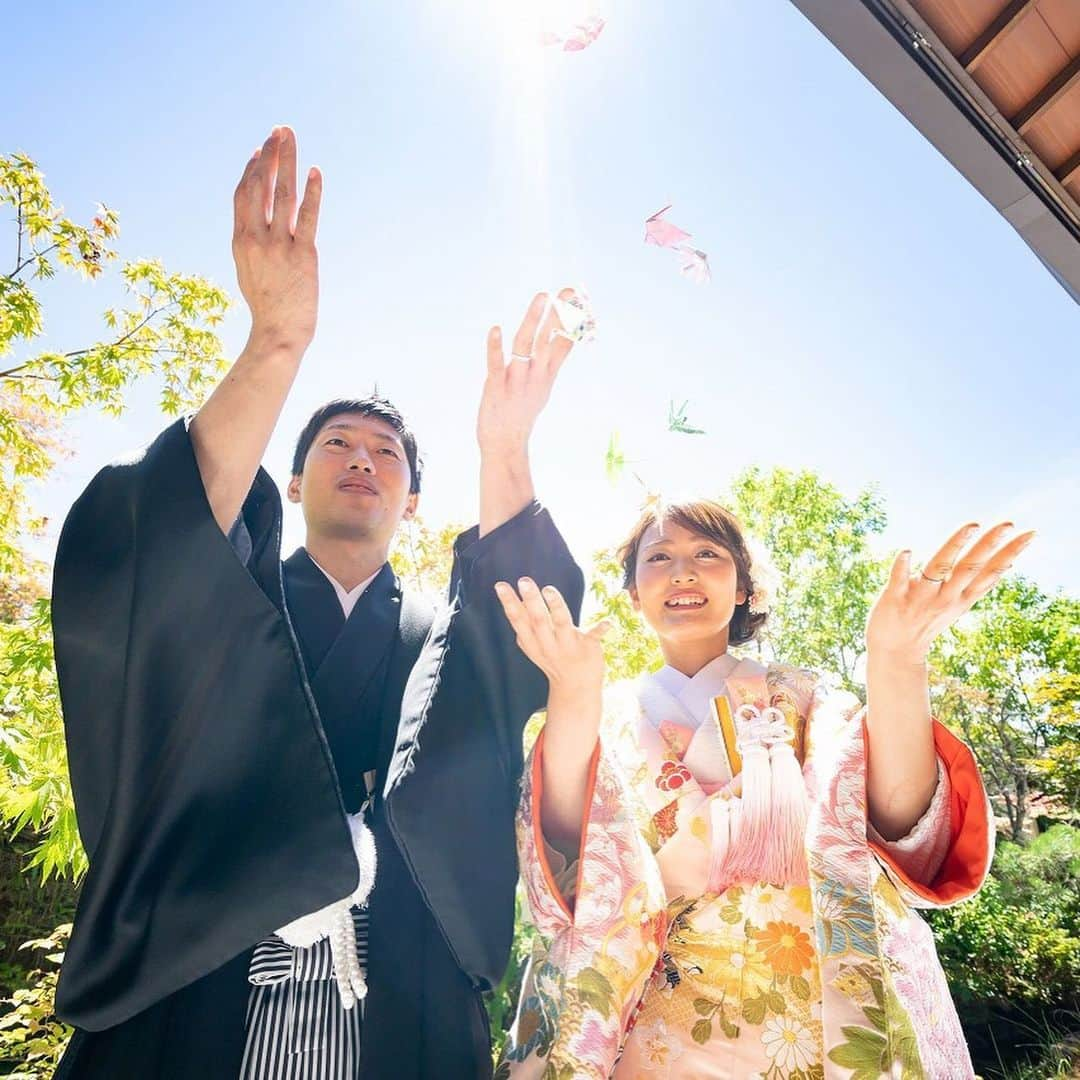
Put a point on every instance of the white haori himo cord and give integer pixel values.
(336, 923)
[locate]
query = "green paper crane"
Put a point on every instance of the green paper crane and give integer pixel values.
(677, 420)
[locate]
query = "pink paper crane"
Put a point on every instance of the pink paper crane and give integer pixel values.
(693, 263)
(580, 37)
(662, 233)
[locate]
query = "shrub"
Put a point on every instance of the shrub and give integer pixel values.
(31, 1037)
(1017, 943)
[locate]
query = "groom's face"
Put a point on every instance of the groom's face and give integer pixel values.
(356, 478)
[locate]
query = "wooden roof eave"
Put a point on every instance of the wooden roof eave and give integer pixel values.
(1007, 126)
(971, 131)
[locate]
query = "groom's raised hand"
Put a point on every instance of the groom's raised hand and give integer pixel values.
(515, 393)
(278, 270)
(273, 244)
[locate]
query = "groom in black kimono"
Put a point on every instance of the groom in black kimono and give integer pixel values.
(225, 711)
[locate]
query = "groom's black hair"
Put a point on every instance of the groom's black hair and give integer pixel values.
(374, 406)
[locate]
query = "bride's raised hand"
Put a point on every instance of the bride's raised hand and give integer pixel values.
(914, 608)
(571, 658)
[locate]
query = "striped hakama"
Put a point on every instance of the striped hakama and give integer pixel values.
(297, 1028)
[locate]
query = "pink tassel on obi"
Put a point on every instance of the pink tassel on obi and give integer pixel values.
(789, 813)
(769, 843)
(726, 815)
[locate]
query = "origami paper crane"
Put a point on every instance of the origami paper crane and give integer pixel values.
(695, 264)
(662, 233)
(614, 459)
(581, 36)
(677, 420)
(576, 315)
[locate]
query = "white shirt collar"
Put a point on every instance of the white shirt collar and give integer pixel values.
(346, 597)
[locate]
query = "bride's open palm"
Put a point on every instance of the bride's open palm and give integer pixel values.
(914, 608)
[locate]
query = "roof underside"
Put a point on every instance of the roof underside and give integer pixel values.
(1025, 55)
(995, 85)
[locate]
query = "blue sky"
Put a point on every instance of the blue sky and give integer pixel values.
(870, 316)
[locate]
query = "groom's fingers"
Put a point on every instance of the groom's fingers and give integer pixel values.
(526, 334)
(555, 347)
(242, 195)
(284, 204)
(260, 185)
(307, 219)
(252, 197)
(264, 176)
(496, 362)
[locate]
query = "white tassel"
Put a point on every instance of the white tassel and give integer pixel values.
(350, 980)
(768, 843)
(789, 812)
(747, 858)
(720, 816)
(335, 921)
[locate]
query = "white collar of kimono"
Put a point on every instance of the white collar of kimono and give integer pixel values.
(669, 695)
(346, 597)
(693, 693)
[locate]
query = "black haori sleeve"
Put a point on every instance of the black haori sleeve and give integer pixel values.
(204, 790)
(452, 787)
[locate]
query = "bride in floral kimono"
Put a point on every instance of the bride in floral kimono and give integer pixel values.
(722, 857)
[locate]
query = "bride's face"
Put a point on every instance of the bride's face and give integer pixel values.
(686, 584)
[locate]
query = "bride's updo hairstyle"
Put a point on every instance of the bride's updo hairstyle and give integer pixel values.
(709, 519)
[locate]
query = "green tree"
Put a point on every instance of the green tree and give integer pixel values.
(35, 792)
(423, 556)
(630, 648)
(165, 329)
(1007, 679)
(819, 542)
(1058, 769)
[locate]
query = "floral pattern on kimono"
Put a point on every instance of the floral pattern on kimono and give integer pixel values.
(685, 975)
(585, 977)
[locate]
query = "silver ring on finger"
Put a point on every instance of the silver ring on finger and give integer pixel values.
(526, 357)
(932, 580)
